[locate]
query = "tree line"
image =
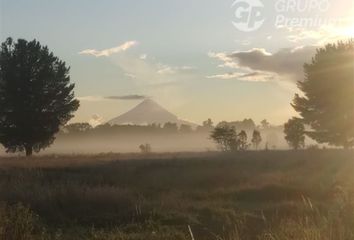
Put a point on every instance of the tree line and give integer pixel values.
(227, 139)
(206, 127)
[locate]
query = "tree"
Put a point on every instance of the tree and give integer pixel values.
(145, 148)
(206, 127)
(265, 124)
(225, 136)
(242, 140)
(295, 133)
(208, 123)
(245, 124)
(256, 139)
(36, 96)
(327, 104)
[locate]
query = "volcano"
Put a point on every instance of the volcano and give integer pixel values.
(148, 112)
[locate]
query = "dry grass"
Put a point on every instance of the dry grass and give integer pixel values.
(247, 195)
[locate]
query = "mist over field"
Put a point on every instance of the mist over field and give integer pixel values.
(130, 143)
(150, 123)
(192, 142)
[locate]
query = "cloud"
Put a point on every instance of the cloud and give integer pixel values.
(287, 62)
(300, 34)
(121, 97)
(108, 52)
(326, 33)
(322, 35)
(224, 76)
(257, 64)
(130, 75)
(250, 77)
(156, 78)
(227, 60)
(90, 98)
(95, 120)
(166, 69)
(127, 97)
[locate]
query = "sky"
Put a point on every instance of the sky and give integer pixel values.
(219, 59)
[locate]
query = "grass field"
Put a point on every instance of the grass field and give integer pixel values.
(264, 195)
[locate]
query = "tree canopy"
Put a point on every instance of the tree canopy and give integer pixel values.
(327, 103)
(294, 133)
(36, 96)
(227, 139)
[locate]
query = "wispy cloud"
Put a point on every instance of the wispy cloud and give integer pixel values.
(250, 77)
(90, 98)
(230, 75)
(157, 78)
(109, 51)
(166, 69)
(327, 33)
(127, 97)
(227, 60)
(130, 75)
(119, 97)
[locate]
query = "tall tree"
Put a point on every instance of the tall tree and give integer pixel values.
(225, 136)
(36, 96)
(295, 133)
(207, 126)
(208, 123)
(265, 124)
(327, 105)
(256, 139)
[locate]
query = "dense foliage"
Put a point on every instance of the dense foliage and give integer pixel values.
(36, 96)
(295, 133)
(328, 102)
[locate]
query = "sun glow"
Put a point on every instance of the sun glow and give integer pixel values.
(339, 32)
(348, 30)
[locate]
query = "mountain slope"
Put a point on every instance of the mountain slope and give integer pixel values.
(147, 112)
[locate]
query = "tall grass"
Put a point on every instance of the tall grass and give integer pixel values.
(248, 195)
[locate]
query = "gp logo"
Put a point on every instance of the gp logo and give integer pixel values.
(248, 15)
